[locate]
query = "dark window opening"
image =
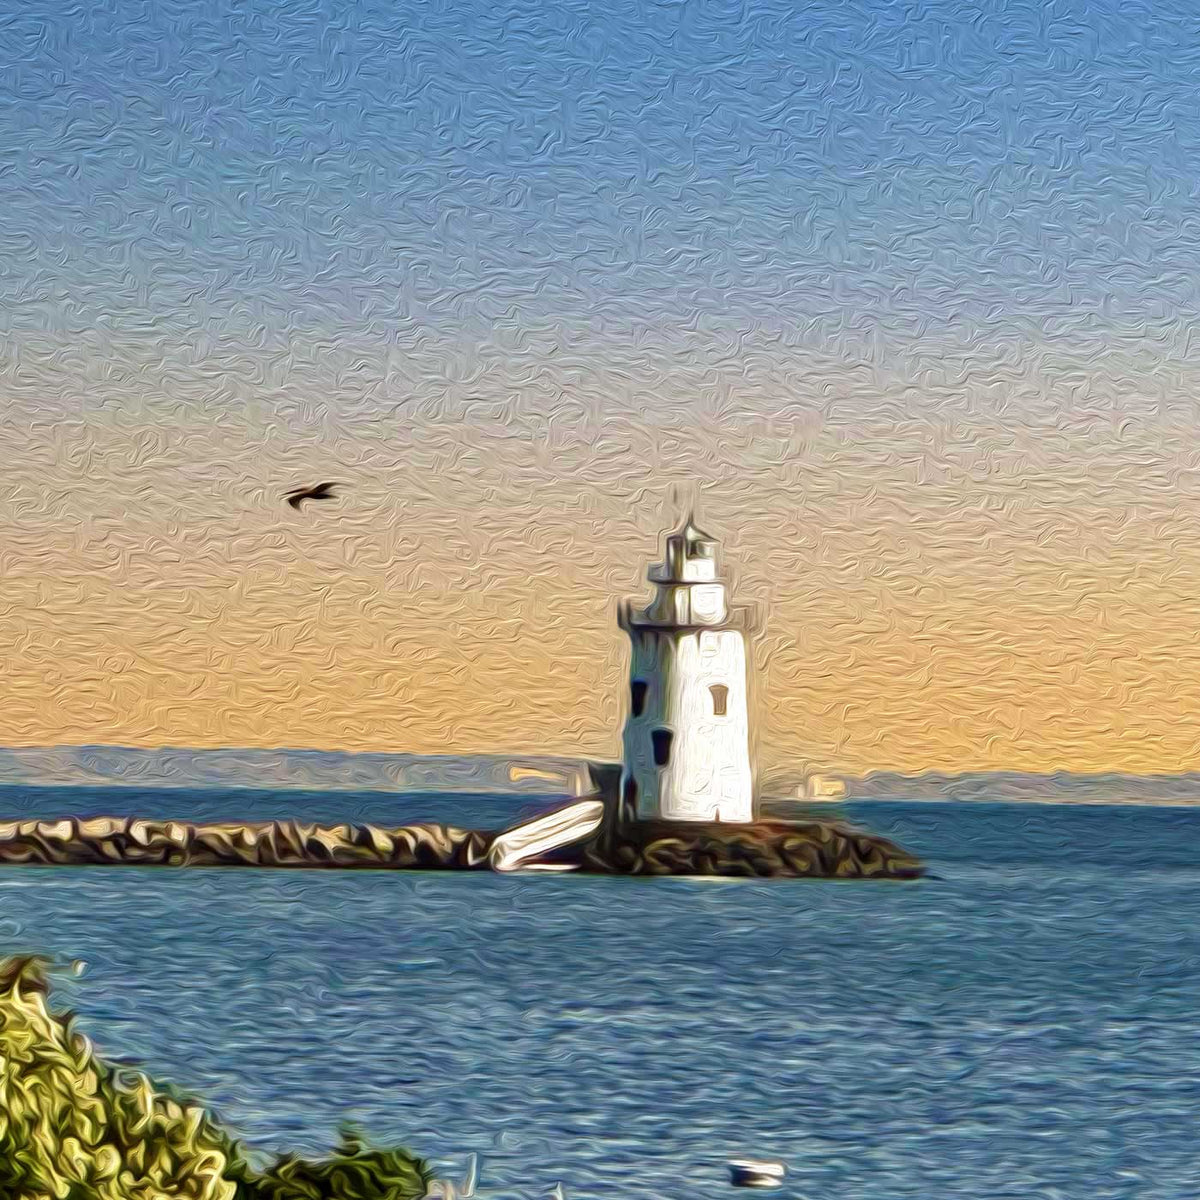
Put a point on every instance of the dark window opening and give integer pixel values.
(638, 697)
(662, 739)
(720, 697)
(630, 796)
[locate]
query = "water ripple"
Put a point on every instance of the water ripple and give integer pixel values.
(1015, 1032)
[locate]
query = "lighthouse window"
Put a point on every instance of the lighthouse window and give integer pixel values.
(637, 697)
(631, 795)
(720, 699)
(661, 740)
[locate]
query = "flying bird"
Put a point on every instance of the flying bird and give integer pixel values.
(323, 491)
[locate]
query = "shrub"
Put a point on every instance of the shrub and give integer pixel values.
(74, 1128)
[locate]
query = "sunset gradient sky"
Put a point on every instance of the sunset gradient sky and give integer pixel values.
(910, 287)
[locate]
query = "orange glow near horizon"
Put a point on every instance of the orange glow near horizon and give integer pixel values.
(954, 587)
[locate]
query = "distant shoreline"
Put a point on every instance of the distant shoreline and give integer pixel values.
(770, 805)
(544, 776)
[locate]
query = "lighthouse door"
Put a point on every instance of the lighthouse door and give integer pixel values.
(729, 790)
(726, 785)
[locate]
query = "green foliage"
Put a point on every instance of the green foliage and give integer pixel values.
(355, 1171)
(73, 1128)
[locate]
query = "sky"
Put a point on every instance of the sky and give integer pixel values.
(904, 295)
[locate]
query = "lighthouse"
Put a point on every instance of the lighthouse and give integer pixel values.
(687, 735)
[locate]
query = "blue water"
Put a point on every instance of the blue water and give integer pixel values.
(1027, 1024)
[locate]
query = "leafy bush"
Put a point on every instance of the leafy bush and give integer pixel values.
(355, 1171)
(74, 1128)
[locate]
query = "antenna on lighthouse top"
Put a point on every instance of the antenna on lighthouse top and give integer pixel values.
(676, 504)
(683, 505)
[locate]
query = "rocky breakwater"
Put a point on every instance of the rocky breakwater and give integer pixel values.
(576, 838)
(109, 841)
(815, 849)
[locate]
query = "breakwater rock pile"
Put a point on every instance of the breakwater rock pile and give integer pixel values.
(765, 849)
(113, 841)
(768, 849)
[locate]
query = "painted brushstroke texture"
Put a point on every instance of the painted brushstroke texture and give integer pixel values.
(1030, 1025)
(905, 293)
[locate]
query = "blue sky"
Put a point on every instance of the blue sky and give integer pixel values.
(401, 167)
(908, 291)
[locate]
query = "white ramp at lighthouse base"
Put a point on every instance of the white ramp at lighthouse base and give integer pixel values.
(519, 848)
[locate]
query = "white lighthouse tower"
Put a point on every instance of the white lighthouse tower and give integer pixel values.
(687, 736)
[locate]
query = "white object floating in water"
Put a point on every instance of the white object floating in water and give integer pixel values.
(468, 1187)
(746, 1173)
(557, 1194)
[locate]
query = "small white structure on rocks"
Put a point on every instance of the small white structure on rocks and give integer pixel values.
(687, 736)
(521, 847)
